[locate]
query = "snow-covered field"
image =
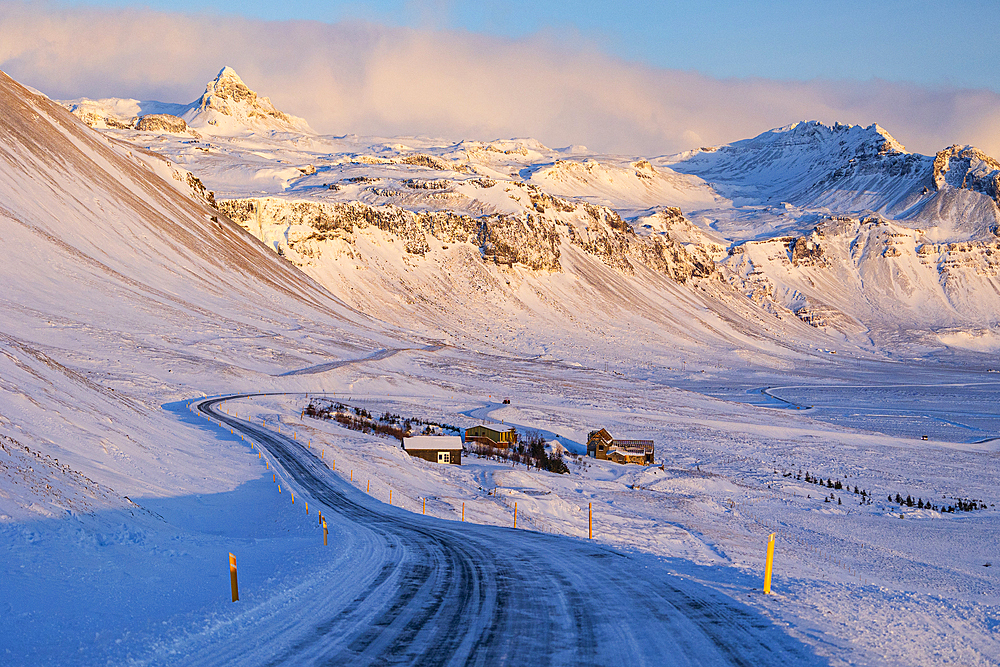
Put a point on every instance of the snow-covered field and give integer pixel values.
(858, 583)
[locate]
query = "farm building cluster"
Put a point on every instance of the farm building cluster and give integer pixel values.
(490, 441)
(493, 442)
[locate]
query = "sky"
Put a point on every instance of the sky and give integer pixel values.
(634, 77)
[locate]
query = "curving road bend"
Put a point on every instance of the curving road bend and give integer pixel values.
(425, 591)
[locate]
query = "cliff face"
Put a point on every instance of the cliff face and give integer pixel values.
(303, 231)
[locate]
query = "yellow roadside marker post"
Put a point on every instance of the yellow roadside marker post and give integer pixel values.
(515, 515)
(463, 512)
(325, 532)
(279, 488)
(425, 506)
(390, 496)
(352, 475)
(769, 564)
(293, 496)
(232, 577)
(590, 521)
(369, 487)
(307, 508)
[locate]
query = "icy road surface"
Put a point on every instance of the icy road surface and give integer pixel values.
(424, 591)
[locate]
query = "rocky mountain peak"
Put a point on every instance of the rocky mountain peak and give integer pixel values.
(229, 86)
(228, 95)
(969, 168)
(228, 104)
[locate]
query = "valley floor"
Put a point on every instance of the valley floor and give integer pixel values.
(856, 582)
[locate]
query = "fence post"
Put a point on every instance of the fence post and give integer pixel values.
(769, 564)
(232, 577)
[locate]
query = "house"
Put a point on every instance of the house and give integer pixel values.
(435, 448)
(484, 435)
(601, 445)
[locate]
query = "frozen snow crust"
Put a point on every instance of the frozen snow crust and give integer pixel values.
(433, 281)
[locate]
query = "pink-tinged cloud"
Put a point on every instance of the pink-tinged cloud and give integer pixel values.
(376, 80)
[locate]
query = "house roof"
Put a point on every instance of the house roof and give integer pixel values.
(435, 442)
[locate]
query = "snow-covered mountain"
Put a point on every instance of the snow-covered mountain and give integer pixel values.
(227, 107)
(836, 227)
(859, 171)
(797, 222)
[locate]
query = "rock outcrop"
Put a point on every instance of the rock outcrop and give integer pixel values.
(529, 239)
(161, 122)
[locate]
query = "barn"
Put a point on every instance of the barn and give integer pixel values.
(435, 448)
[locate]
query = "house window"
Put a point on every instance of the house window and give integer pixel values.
(444, 457)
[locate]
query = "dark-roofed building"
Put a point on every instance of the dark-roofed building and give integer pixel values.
(600, 445)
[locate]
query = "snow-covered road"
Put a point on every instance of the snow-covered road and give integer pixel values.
(426, 591)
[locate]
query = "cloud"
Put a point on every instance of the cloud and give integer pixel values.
(364, 78)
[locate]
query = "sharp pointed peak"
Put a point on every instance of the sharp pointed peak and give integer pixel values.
(228, 72)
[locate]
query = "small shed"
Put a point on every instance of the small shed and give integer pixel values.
(435, 448)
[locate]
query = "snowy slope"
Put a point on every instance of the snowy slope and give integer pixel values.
(123, 289)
